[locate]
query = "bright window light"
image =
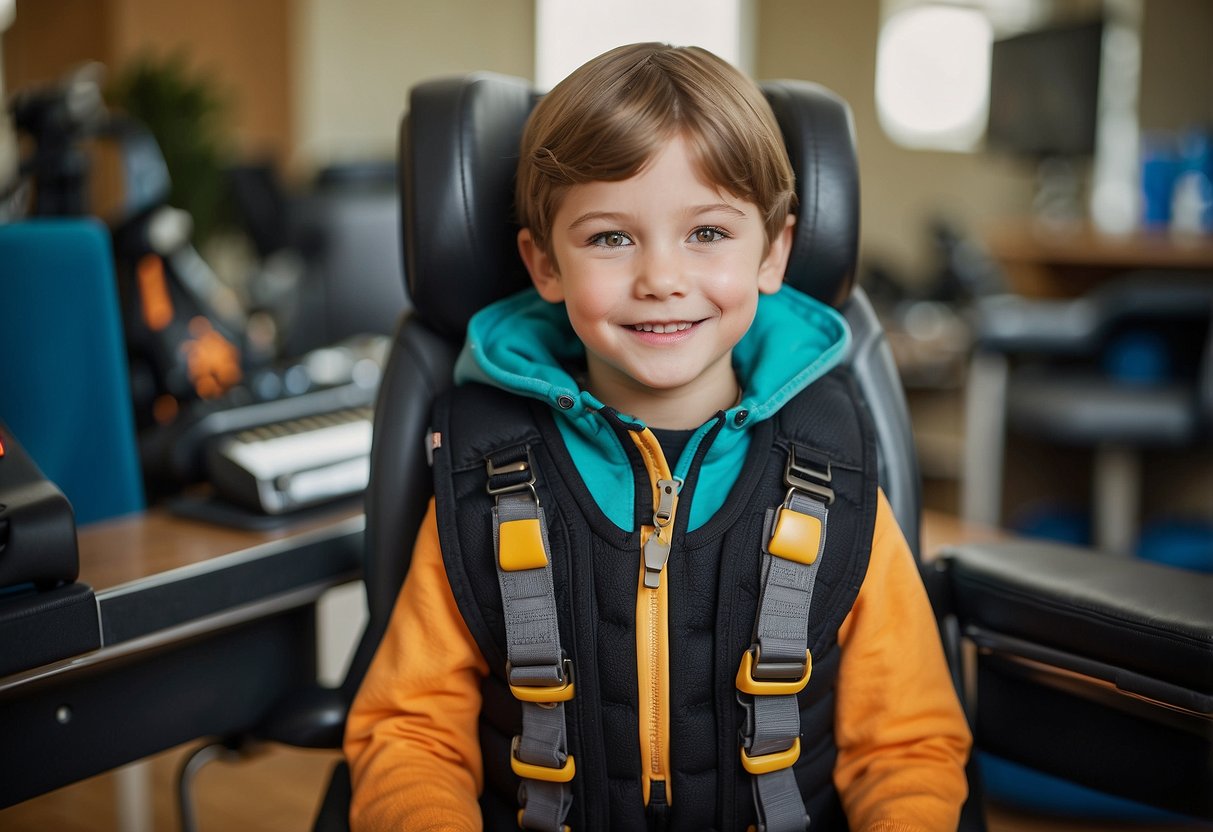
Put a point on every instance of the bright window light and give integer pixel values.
(933, 77)
(570, 32)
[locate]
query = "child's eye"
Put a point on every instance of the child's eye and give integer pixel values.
(610, 239)
(708, 234)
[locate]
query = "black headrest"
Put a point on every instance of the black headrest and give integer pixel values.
(458, 152)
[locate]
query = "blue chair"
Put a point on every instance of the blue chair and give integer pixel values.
(64, 389)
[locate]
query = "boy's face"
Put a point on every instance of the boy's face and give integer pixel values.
(660, 275)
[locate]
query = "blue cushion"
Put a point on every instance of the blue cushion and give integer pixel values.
(1026, 788)
(64, 390)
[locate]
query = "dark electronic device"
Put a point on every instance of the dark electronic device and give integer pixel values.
(289, 450)
(289, 465)
(183, 345)
(37, 531)
(45, 615)
(1044, 91)
(207, 403)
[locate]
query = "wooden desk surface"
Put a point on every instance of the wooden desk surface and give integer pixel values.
(1068, 262)
(940, 530)
(126, 549)
(1084, 246)
(119, 551)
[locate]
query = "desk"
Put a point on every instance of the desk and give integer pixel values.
(1055, 263)
(203, 630)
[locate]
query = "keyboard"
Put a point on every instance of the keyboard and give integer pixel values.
(275, 448)
(284, 466)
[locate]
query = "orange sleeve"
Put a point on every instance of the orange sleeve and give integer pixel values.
(902, 736)
(411, 736)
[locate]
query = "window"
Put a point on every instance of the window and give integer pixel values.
(932, 76)
(570, 32)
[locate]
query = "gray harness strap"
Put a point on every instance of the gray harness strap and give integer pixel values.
(778, 664)
(539, 674)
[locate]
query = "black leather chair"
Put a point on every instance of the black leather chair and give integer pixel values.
(1094, 669)
(1090, 667)
(458, 152)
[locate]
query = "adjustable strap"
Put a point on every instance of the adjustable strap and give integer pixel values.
(540, 676)
(778, 664)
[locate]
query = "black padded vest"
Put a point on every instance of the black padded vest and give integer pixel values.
(714, 574)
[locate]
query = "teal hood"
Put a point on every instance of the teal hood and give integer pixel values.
(525, 345)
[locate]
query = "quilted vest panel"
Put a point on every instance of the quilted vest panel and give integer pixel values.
(714, 574)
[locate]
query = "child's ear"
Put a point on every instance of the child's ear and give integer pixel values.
(770, 272)
(542, 268)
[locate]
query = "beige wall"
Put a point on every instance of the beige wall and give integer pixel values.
(355, 61)
(50, 36)
(834, 44)
(318, 81)
(243, 44)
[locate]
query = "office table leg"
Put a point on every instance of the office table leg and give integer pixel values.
(1117, 498)
(985, 439)
(133, 797)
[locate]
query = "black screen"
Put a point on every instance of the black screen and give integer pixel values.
(1044, 91)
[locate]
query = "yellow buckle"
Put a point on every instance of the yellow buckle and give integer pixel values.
(746, 683)
(520, 545)
(530, 771)
(541, 694)
(775, 761)
(797, 536)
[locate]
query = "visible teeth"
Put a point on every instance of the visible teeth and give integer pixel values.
(662, 328)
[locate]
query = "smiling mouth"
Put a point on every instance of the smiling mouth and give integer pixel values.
(663, 328)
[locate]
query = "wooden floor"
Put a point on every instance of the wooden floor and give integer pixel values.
(279, 790)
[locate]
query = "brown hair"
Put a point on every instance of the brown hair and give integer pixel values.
(611, 115)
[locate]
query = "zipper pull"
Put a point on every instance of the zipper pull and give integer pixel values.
(656, 552)
(656, 549)
(667, 500)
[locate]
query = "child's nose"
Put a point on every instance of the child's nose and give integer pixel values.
(660, 274)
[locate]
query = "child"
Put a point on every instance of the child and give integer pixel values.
(604, 640)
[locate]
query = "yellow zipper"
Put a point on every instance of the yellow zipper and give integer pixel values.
(652, 631)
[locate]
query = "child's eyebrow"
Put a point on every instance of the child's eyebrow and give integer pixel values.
(592, 216)
(717, 208)
(693, 211)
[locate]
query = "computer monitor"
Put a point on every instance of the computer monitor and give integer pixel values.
(1044, 91)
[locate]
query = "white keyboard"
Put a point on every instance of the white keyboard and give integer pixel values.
(289, 465)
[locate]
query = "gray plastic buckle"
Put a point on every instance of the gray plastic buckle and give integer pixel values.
(764, 671)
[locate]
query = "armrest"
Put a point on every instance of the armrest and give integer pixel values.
(1081, 656)
(1141, 618)
(1013, 324)
(311, 717)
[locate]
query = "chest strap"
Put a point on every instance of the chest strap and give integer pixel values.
(539, 674)
(778, 663)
